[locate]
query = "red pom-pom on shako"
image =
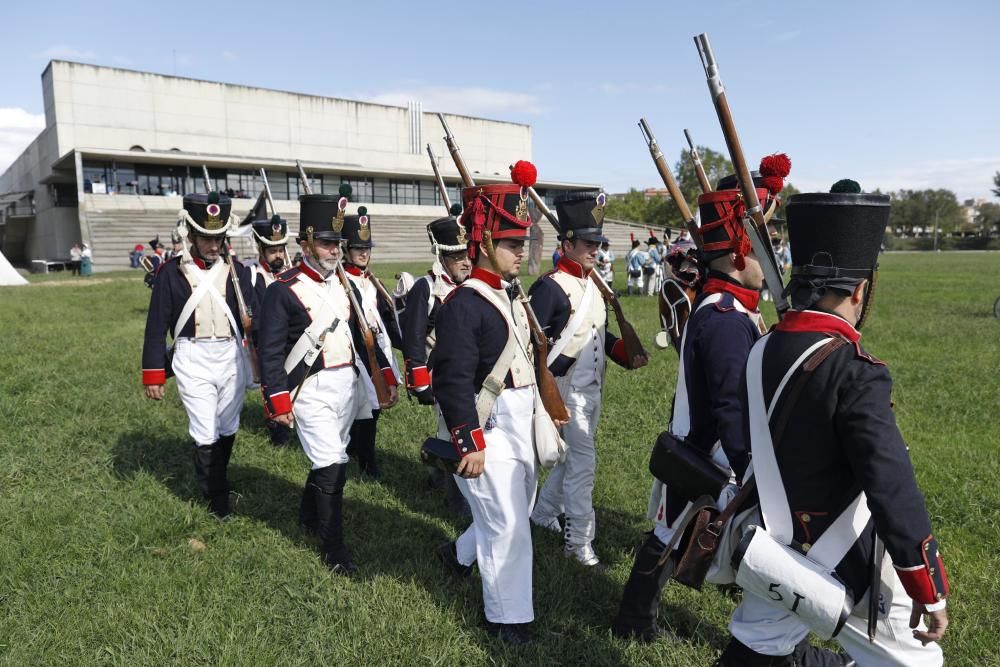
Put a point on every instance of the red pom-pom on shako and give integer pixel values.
(778, 165)
(774, 184)
(524, 174)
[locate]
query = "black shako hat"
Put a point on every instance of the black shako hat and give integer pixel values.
(447, 234)
(357, 230)
(207, 215)
(322, 216)
(581, 216)
(271, 232)
(836, 235)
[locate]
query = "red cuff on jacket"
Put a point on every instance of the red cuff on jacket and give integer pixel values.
(278, 404)
(618, 354)
(926, 583)
(467, 440)
(417, 377)
(154, 376)
(390, 377)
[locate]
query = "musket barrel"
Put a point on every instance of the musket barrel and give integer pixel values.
(267, 190)
(440, 181)
(456, 154)
(204, 176)
(302, 176)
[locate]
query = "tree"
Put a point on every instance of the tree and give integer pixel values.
(996, 182)
(988, 219)
(716, 166)
(916, 211)
(630, 208)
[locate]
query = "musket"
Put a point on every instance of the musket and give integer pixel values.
(267, 190)
(668, 180)
(204, 176)
(367, 333)
(552, 400)
(633, 345)
(755, 223)
(437, 177)
(699, 169)
(456, 154)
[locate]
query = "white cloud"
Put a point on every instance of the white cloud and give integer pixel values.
(471, 101)
(18, 128)
(230, 56)
(66, 52)
(968, 178)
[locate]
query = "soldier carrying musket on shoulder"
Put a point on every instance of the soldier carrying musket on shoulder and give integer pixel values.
(202, 299)
(423, 305)
(484, 380)
(837, 539)
(379, 312)
(310, 335)
(572, 311)
(270, 234)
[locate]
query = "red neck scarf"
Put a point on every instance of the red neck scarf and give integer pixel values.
(819, 322)
(748, 297)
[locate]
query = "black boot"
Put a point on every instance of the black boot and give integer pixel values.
(454, 499)
(210, 471)
(515, 634)
(307, 510)
(328, 485)
(738, 654)
(362, 444)
(278, 433)
(225, 445)
(641, 599)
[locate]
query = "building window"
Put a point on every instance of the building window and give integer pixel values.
(404, 192)
(382, 191)
(362, 189)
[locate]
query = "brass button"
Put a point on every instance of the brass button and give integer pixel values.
(806, 547)
(806, 518)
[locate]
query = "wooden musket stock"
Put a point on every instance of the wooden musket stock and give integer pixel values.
(698, 167)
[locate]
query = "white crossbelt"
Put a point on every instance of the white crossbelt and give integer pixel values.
(574, 323)
(324, 321)
(204, 284)
(831, 547)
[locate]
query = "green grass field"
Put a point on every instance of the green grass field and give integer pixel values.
(107, 555)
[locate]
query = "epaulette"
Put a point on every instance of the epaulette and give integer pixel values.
(287, 276)
(860, 353)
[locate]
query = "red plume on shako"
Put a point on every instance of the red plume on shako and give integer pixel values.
(773, 170)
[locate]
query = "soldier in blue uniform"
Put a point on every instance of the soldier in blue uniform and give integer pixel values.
(484, 380)
(194, 301)
(572, 312)
(838, 451)
(271, 237)
(380, 313)
(423, 302)
(308, 341)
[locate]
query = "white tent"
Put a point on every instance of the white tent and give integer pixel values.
(8, 274)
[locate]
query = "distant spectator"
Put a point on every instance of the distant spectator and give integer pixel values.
(606, 263)
(556, 256)
(86, 261)
(75, 255)
(135, 255)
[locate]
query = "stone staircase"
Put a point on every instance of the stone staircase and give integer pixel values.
(398, 238)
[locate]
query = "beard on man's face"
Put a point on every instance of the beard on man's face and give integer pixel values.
(276, 264)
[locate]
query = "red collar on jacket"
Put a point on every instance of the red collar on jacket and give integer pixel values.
(264, 267)
(572, 267)
(748, 297)
(494, 280)
(819, 322)
(310, 271)
(355, 270)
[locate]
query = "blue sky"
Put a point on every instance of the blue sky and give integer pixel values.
(892, 94)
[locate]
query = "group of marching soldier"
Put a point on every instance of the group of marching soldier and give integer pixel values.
(802, 479)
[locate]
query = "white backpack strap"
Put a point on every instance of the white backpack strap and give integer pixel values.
(574, 324)
(830, 548)
(681, 424)
(200, 285)
(323, 321)
(494, 382)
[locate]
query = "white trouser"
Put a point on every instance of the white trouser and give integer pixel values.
(651, 284)
(211, 381)
(324, 410)
(569, 488)
(499, 539)
(771, 630)
(634, 282)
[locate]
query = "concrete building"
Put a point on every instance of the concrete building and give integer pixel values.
(121, 147)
